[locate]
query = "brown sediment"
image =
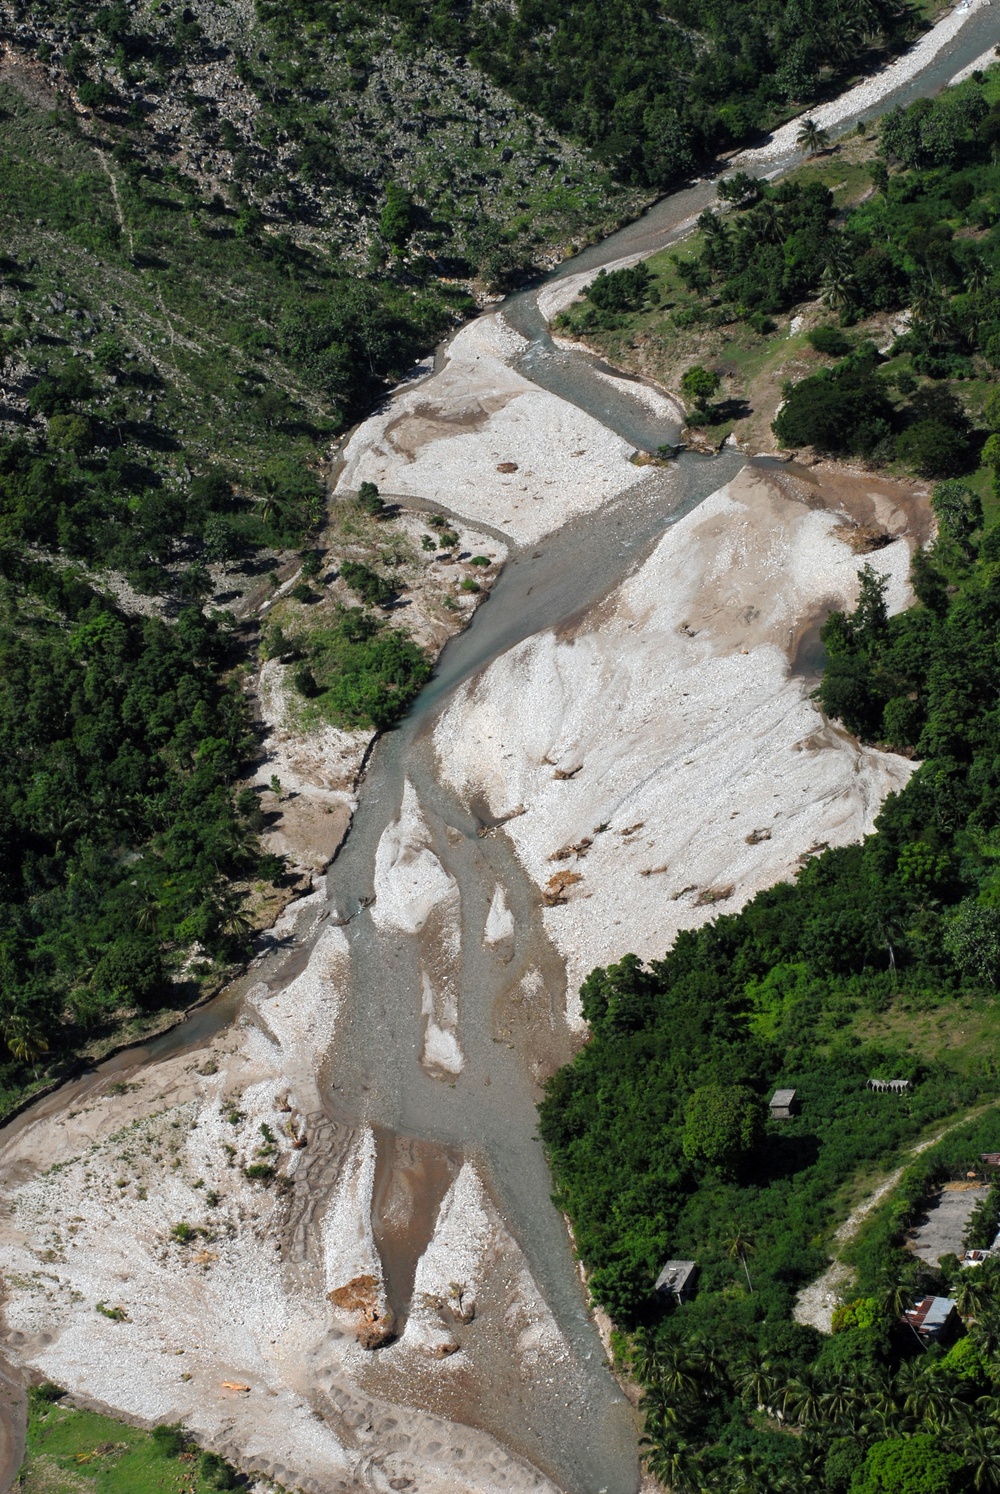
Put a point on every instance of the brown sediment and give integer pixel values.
(409, 432)
(411, 1179)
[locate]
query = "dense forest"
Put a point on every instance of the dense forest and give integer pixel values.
(658, 1133)
(657, 90)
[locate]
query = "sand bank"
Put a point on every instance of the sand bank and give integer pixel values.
(671, 762)
(140, 1200)
(485, 442)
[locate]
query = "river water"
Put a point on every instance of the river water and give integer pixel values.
(578, 1428)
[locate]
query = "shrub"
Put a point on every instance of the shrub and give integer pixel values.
(909, 1465)
(372, 588)
(259, 1172)
(217, 1472)
(621, 290)
(828, 340)
(169, 1439)
(841, 410)
(369, 501)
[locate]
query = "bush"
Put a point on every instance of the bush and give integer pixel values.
(372, 588)
(829, 340)
(723, 1123)
(841, 410)
(369, 501)
(909, 1465)
(169, 1439)
(217, 1472)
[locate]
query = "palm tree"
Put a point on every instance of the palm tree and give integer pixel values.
(812, 138)
(764, 222)
(800, 1401)
(678, 1377)
(647, 1357)
(969, 1299)
(741, 1244)
(836, 286)
(981, 1451)
(675, 1467)
(977, 275)
(23, 1035)
(897, 1296)
(755, 1380)
(839, 1401)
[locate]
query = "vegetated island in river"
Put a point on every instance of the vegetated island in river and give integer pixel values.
(856, 307)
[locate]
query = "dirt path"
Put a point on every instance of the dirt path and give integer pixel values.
(816, 1303)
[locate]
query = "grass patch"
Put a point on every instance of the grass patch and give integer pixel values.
(75, 1452)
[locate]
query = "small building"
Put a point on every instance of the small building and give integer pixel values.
(990, 1159)
(677, 1280)
(783, 1104)
(975, 1257)
(935, 1319)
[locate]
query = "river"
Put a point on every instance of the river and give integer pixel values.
(578, 1428)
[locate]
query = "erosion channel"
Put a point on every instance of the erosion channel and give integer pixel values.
(407, 1311)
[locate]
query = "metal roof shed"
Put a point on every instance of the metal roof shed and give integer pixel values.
(677, 1279)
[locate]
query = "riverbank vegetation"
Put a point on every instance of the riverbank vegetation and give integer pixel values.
(818, 985)
(184, 328)
(658, 91)
(879, 961)
(857, 295)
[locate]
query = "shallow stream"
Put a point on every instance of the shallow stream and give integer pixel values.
(577, 1427)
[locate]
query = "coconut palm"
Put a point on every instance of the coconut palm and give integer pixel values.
(23, 1036)
(970, 1298)
(981, 1451)
(756, 1381)
(800, 1401)
(647, 1356)
(678, 1378)
(676, 1467)
(764, 222)
(739, 1245)
(839, 1401)
(836, 287)
(812, 138)
(977, 275)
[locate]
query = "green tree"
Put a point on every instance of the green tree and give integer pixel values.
(698, 385)
(722, 1125)
(396, 219)
(369, 501)
(911, 1465)
(972, 938)
(959, 512)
